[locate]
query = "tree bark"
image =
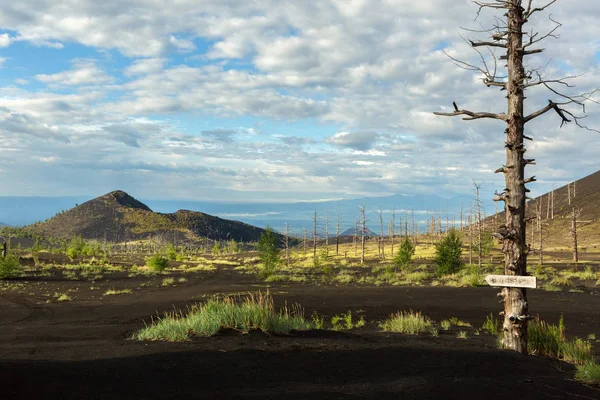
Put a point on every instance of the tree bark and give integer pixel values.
(516, 308)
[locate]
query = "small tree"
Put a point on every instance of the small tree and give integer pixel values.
(405, 253)
(448, 252)
(10, 267)
(268, 251)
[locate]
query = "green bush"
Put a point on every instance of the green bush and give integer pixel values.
(447, 254)
(10, 266)
(171, 252)
(492, 325)
(405, 253)
(268, 251)
(157, 263)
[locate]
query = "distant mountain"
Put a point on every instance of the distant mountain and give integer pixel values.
(27, 210)
(118, 217)
(350, 232)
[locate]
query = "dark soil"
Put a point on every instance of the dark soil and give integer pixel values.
(80, 349)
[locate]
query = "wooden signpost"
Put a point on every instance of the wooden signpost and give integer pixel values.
(512, 281)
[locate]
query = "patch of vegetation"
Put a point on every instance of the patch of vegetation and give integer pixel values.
(446, 325)
(588, 373)
(317, 321)
(113, 292)
(545, 339)
(551, 288)
(410, 322)
(492, 325)
(462, 335)
(562, 281)
(268, 251)
(457, 322)
(344, 321)
(448, 253)
(157, 263)
(576, 352)
(168, 281)
(63, 297)
(405, 254)
(252, 312)
(10, 267)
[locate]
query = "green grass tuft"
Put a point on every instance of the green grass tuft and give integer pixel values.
(588, 373)
(251, 312)
(410, 322)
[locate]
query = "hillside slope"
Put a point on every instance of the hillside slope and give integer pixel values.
(118, 217)
(584, 199)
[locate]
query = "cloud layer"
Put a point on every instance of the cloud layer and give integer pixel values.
(271, 100)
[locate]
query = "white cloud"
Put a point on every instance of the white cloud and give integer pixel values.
(371, 70)
(5, 40)
(83, 73)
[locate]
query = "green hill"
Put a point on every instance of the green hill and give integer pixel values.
(118, 217)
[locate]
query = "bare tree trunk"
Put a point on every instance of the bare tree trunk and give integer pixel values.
(552, 212)
(461, 217)
(574, 236)
(540, 232)
(470, 235)
(380, 241)
(287, 244)
(304, 240)
(315, 235)
(392, 232)
(478, 210)
(569, 191)
(548, 208)
(337, 234)
(362, 231)
(355, 239)
(326, 235)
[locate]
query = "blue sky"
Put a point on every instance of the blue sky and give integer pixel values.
(270, 101)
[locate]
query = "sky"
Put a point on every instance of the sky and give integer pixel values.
(274, 101)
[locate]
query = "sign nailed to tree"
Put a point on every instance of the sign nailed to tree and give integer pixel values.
(512, 281)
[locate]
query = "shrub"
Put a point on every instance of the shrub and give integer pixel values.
(171, 252)
(405, 253)
(447, 253)
(10, 266)
(576, 352)
(409, 322)
(268, 251)
(157, 263)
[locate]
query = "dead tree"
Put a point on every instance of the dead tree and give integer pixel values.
(363, 224)
(337, 233)
(304, 240)
(355, 238)
(392, 232)
(574, 234)
(569, 191)
(516, 43)
(552, 212)
(326, 235)
(380, 244)
(574, 223)
(478, 219)
(315, 235)
(287, 244)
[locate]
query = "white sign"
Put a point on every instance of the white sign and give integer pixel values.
(512, 281)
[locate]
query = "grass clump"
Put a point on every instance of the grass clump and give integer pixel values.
(242, 313)
(588, 373)
(111, 292)
(10, 267)
(576, 352)
(157, 263)
(545, 339)
(492, 325)
(168, 281)
(410, 322)
(344, 321)
(446, 325)
(64, 297)
(462, 335)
